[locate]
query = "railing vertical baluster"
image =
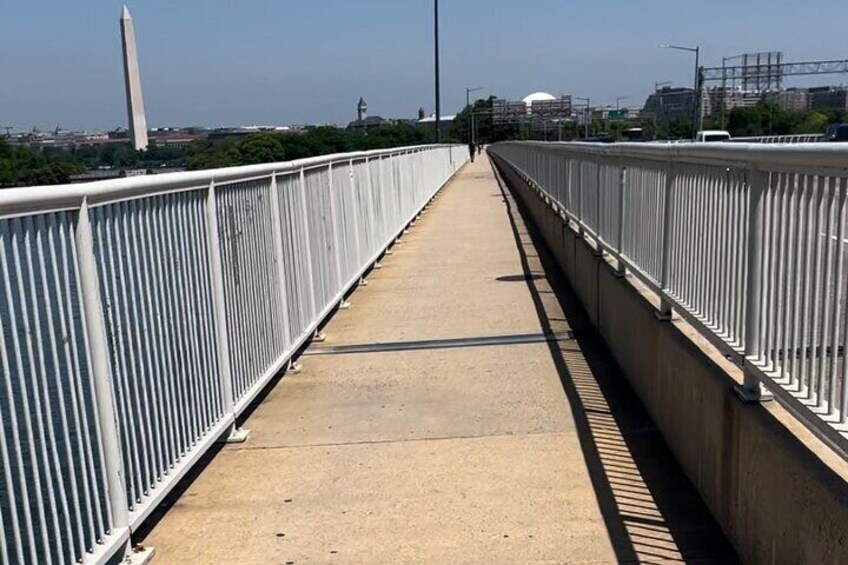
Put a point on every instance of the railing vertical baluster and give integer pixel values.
(619, 243)
(579, 209)
(277, 226)
(354, 215)
(306, 225)
(101, 369)
(334, 226)
(219, 310)
(665, 311)
(751, 389)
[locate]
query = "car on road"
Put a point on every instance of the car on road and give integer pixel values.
(712, 136)
(836, 132)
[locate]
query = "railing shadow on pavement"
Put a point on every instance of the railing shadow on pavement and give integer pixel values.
(651, 511)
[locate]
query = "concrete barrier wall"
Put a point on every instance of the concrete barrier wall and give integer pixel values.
(779, 494)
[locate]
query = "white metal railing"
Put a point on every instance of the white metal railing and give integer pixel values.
(748, 242)
(139, 317)
(792, 138)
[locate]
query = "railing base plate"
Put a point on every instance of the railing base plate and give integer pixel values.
(139, 556)
(748, 396)
(663, 316)
(237, 435)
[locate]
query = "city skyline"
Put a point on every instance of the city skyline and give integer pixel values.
(184, 79)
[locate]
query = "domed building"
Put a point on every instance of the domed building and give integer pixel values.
(539, 110)
(537, 97)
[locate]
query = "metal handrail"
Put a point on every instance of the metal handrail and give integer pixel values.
(790, 138)
(140, 317)
(747, 242)
(25, 200)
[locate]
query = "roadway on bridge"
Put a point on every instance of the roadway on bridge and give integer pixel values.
(460, 412)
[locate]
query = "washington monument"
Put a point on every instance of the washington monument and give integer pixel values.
(135, 105)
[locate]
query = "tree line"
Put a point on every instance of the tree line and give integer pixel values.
(24, 166)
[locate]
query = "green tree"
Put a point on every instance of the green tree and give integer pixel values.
(487, 130)
(259, 147)
(814, 122)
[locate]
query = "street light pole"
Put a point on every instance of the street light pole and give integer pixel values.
(618, 99)
(699, 95)
(697, 114)
(438, 90)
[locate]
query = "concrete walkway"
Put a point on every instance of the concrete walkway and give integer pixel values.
(443, 451)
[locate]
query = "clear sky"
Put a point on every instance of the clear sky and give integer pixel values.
(229, 62)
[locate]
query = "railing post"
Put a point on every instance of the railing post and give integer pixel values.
(621, 270)
(599, 195)
(751, 389)
(665, 311)
(580, 198)
(101, 369)
(219, 310)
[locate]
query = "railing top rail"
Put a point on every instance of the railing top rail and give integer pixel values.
(765, 156)
(33, 199)
(784, 138)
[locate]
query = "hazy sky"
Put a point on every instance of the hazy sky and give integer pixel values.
(228, 62)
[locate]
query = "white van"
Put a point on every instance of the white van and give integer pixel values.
(711, 136)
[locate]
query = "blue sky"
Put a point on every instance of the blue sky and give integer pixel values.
(228, 62)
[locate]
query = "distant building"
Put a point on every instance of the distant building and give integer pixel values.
(730, 98)
(361, 110)
(824, 97)
(241, 131)
(365, 123)
(670, 103)
(368, 123)
(430, 121)
(795, 99)
(119, 133)
(508, 111)
(538, 108)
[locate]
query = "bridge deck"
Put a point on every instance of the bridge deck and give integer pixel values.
(444, 451)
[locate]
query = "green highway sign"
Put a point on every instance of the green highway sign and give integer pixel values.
(618, 113)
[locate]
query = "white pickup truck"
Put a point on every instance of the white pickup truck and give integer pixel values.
(712, 136)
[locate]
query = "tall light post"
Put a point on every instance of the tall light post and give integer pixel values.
(588, 111)
(438, 90)
(618, 100)
(468, 91)
(697, 115)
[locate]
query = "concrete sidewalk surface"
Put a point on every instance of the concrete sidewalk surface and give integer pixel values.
(469, 448)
